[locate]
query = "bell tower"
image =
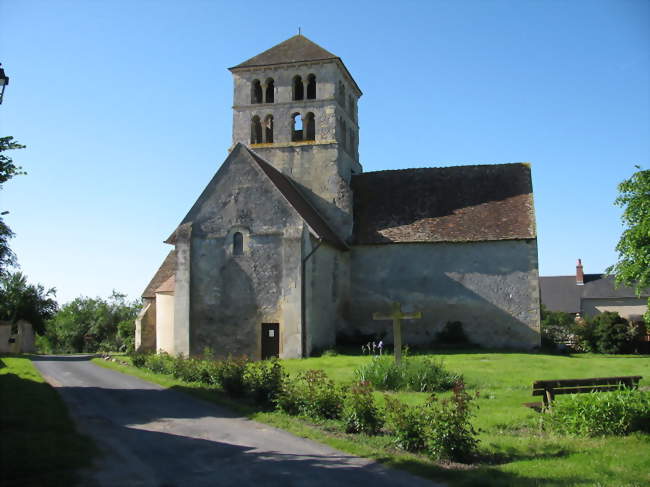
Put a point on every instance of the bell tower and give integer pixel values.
(296, 106)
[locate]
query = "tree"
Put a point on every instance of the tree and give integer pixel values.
(7, 171)
(91, 325)
(22, 301)
(633, 266)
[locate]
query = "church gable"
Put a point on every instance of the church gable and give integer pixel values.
(240, 195)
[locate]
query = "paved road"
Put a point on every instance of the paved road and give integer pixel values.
(151, 436)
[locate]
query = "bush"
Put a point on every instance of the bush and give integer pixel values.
(406, 423)
(360, 414)
(452, 334)
(230, 375)
(600, 413)
(612, 333)
(311, 393)
(160, 363)
(138, 359)
(263, 381)
(449, 433)
(558, 328)
(441, 428)
(416, 374)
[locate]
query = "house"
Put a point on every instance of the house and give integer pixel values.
(292, 246)
(589, 294)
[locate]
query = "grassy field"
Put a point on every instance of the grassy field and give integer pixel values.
(514, 449)
(39, 445)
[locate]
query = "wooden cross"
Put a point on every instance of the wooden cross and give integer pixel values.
(397, 316)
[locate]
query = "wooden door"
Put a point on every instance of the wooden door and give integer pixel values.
(270, 340)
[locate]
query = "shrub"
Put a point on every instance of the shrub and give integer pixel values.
(452, 334)
(311, 393)
(416, 374)
(600, 413)
(360, 414)
(441, 428)
(231, 375)
(558, 328)
(138, 359)
(449, 433)
(612, 333)
(263, 381)
(161, 363)
(406, 424)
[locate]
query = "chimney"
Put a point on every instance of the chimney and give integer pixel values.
(580, 277)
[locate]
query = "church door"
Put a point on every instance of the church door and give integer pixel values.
(270, 340)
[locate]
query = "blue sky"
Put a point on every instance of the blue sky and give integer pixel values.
(125, 109)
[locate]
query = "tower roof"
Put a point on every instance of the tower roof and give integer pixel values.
(296, 49)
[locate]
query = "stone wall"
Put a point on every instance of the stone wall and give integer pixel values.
(145, 327)
(626, 307)
(231, 294)
(327, 278)
(491, 287)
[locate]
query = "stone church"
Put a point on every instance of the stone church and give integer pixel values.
(292, 246)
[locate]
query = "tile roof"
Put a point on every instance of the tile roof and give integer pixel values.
(560, 293)
(166, 270)
(296, 49)
(446, 204)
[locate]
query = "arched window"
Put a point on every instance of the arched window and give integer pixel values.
(268, 129)
(344, 134)
(351, 106)
(296, 128)
(256, 130)
(237, 243)
(342, 93)
(270, 91)
(310, 127)
(256, 91)
(298, 90)
(351, 140)
(311, 87)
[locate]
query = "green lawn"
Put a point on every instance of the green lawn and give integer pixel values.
(39, 445)
(515, 451)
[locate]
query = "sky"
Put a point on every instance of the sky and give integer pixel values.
(125, 109)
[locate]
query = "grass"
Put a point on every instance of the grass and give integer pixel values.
(39, 445)
(514, 449)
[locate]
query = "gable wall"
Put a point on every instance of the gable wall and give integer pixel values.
(491, 287)
(232, 295)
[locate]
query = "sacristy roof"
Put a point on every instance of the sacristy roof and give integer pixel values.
(165, 272)
(444, 204)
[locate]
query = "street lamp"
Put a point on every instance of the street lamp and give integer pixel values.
(4, 81)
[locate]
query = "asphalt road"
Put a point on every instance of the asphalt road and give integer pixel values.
(151, 436)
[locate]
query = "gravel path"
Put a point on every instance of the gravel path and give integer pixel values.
(151, 436)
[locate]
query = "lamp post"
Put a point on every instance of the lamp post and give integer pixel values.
(4, 81)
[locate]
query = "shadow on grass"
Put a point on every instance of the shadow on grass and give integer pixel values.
(39, 444)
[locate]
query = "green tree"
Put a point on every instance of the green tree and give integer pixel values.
(93, 324)
(7, 171)
(20, 300)
(633, 266)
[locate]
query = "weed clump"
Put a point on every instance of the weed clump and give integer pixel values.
(602, 413)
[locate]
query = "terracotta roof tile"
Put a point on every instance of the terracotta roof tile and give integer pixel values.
(447, 204)
(166, 270)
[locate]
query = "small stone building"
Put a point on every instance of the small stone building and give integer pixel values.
(292, 245)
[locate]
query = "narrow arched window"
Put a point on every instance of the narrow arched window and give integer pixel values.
(270, 91)
(342, 93)
(296, 128)
(237, 243)
(256, 91)
(268, 129)
(351, 106)
(344, 134)
(298, 89)
(256, 130)
(310, 127)
(351, 140)
(311, 87)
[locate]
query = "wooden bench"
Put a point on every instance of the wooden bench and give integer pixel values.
(548, 389)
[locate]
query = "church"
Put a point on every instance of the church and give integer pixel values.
(291, 247)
